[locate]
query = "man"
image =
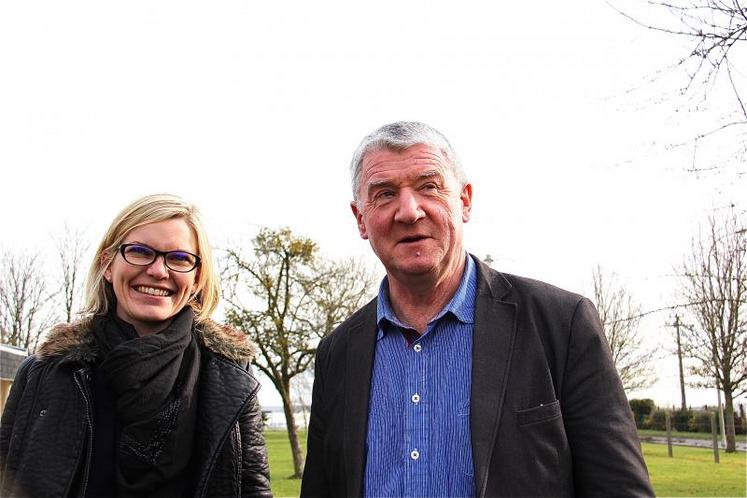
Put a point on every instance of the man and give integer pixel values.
(458, 380)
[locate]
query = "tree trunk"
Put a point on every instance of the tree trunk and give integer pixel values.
(290, 421)
(731, 439)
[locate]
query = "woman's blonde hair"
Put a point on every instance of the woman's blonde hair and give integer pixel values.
(145, 210)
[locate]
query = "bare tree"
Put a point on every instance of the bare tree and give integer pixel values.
(715, 282)
(620, 318)
(715, 32)
(301, 387)
(287, 298)
(71, 248)
(25, 311)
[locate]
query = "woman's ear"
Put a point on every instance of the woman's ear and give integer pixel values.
(195, 284)
(105, 260)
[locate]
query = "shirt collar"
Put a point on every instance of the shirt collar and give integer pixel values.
(461, 305)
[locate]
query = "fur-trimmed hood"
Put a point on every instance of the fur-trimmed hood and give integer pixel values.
(74, 342)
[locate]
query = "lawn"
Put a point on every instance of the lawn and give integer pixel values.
(281, 463)
(690, 473)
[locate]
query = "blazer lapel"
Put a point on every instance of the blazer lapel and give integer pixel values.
(492, 349)
(359, 364)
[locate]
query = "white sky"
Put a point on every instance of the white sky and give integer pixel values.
(560, 111)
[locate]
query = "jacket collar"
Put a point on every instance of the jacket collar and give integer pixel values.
(359, 364)
(225, 389)
(74, 342)
(492, 350)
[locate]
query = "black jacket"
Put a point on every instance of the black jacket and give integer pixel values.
(46, 432)
(548, 415)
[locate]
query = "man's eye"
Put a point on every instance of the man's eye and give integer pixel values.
(385, 194)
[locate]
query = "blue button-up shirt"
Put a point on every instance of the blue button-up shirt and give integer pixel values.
(418, 439)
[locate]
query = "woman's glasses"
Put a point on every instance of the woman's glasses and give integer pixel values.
(142, 255)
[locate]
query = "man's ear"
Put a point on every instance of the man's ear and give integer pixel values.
(359, 220)
(466, 198)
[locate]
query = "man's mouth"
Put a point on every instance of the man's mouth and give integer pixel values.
(152, 291)
(412, 238)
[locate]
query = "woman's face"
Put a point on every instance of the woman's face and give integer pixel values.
(149, 296)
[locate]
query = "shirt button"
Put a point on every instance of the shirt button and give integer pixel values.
(414, 454)
(417, 348)
(415, 398)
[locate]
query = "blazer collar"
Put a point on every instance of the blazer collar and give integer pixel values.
(492, 349)
(359, 365)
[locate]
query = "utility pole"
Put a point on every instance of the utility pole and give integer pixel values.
(679, 359)
(677, 325)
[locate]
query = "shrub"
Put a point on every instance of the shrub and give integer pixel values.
(641, 409)
(681, 420)
(740, 427)
(657, 420)
(701, 421)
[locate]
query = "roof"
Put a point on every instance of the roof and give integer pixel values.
(10, 358)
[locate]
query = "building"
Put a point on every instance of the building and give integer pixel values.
(10, 358)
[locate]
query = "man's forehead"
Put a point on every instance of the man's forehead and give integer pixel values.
(417, 155)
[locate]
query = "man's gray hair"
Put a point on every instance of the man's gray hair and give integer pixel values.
(398, 137)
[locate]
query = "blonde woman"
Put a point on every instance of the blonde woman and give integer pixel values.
(144, 396)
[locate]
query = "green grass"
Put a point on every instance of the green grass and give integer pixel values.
(692, 472)
(281, 463)
(687, 435)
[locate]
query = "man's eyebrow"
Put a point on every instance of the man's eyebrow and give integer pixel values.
(430, 174)
(373, 184)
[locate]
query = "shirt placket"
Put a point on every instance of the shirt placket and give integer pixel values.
(417, 433)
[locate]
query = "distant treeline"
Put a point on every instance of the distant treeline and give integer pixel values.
(649, 416)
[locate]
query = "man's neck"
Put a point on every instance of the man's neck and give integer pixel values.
(415, 300)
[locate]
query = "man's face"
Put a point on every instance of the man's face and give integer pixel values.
(412, 210)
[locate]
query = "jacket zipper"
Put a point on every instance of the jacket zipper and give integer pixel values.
(79, 376)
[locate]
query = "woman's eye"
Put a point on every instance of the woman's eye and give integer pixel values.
(182, 257)
(139, 250)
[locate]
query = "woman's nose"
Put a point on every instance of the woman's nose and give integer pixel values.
(158, 267)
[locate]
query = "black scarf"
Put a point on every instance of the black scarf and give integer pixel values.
(152, 380)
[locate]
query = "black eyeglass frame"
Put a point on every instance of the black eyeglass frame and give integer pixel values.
(123, 247)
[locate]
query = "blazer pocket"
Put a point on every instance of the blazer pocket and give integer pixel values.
(539, 413)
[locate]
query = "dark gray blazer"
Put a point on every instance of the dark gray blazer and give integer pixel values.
(548, 415)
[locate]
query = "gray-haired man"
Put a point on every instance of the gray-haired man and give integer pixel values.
(458, 380)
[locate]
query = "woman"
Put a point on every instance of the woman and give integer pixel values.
(145, 395)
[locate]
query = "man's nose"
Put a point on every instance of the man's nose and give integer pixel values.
(408, 209)
(158, 268)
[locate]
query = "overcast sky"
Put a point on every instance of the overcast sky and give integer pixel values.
(563, 114)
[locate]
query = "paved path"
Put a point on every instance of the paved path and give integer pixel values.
(700, 443)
